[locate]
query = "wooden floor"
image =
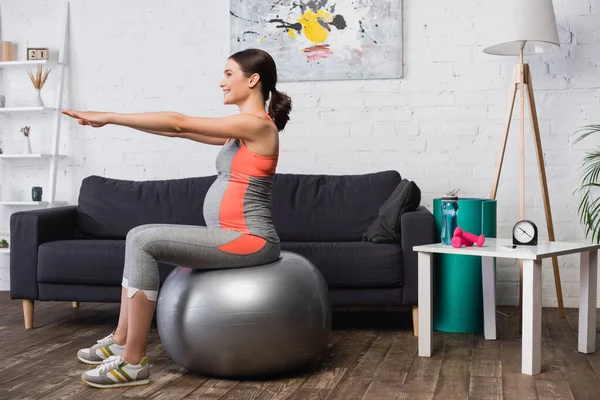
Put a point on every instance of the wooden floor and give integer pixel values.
(370, 356)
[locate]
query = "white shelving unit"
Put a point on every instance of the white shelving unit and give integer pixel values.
(51, 157)
(24, 203)
(18, 156)
(6, 110)
(27, 63)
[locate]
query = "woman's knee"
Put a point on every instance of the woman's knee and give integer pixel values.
(134, 231)
(135, 239)
(140, 228)
(141, 239)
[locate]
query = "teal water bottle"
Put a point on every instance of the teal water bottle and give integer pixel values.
(449, 216)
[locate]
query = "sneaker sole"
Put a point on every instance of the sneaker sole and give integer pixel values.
(89, 362)
(117, 385)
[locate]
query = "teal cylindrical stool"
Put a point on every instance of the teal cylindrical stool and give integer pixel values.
(458, 297)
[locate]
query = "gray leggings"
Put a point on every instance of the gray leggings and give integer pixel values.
(188, 246)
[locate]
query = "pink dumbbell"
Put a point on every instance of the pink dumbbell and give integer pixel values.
(479, 240)
(458, 242)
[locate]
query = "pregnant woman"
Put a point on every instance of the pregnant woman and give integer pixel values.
(237, 208)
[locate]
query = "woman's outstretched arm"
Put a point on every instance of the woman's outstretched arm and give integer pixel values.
(240, 126)
(191, 136)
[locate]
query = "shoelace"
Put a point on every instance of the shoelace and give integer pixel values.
(109, 359)
(104, 340)
(107, 365)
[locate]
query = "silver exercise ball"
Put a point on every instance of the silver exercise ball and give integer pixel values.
(245, 322)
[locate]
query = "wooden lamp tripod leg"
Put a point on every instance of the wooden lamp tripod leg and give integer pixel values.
(512, 94)
(544, 183)
(522, 174)
(517, 78)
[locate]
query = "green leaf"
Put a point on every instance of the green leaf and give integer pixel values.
(586, 131)
(591, 185)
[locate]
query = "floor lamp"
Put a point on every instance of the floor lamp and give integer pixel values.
(525, 27)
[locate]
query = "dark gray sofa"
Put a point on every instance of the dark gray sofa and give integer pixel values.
(76, 253)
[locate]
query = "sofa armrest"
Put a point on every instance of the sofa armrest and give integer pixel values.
(416, 228)
(28, 230)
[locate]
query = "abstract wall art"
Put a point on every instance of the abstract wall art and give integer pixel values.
(322, 39)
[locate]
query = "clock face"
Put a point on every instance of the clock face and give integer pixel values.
(524, 232)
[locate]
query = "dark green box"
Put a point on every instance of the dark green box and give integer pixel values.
(458, 297)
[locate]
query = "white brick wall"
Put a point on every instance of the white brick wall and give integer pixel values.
(440, 125)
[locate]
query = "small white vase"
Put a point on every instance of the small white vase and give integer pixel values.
(38, 99)
(27, 148)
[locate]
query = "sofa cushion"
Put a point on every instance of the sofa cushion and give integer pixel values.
(88, 262)
(353, 264)
(329, 208)
(109, 208)
(386, 227)
(305, 207)
(343, 264)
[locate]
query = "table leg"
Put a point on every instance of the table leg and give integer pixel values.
(425, 304)
(489, 297)
(588, 275)
(531, 359)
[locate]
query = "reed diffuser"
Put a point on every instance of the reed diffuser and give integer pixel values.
(39, 79)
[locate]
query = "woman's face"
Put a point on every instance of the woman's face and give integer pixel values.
(235, 84)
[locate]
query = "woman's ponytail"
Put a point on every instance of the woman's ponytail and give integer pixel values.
(280, 107)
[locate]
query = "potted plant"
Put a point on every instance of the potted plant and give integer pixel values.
(589, 205)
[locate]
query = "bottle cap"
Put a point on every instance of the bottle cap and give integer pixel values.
(451, 195)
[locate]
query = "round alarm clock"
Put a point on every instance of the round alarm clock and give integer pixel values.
(525, 233)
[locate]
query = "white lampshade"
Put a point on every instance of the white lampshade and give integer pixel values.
(516, 24)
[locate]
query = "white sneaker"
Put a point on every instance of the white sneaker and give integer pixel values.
(115, 372)
(102, 350)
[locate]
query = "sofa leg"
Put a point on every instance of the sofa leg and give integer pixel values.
(75, 304)
(415, 312)
(28, 313)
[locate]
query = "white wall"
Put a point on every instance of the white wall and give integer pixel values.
(440, 125)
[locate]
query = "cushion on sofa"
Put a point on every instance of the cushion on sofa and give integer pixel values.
(305, 207)
(109, 208)
(89, 262)
(353, 264)
(329, 208)
(343, 264)
(386, 227)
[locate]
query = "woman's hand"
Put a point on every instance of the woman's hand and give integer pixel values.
(92, 118)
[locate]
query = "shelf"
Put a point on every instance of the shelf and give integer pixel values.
(27, 156)
(25, 109)
(30, 203)
(29, 63)
(5, 250)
